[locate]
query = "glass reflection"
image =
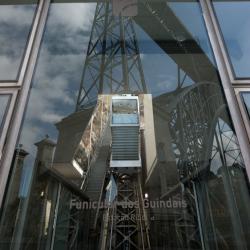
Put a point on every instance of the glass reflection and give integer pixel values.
(15, 25)
(233, 17)
(192, 177)
(54, 91)
(4, 100)
(246, 99)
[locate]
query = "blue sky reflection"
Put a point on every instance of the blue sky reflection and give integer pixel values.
(234, 20)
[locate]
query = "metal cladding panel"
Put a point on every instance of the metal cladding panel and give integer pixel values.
(125, 129)
(125, 143)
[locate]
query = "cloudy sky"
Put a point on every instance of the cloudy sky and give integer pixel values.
(15, 24)
(58, 71)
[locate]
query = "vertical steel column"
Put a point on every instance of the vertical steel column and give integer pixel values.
(124, 55)
(102, 69)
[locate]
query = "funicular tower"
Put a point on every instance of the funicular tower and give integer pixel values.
(113, 64)
(113, 67)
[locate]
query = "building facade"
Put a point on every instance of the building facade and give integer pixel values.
(174, 173)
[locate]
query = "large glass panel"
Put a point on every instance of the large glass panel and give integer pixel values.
(246, 99)
(16, 19)
(174, 180)
(234, 20)
(4, 100)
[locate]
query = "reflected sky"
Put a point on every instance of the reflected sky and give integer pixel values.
(234, 20)
(160, 70)
(189, 15)
(246, 98)
(15, 25)
(58, 72)
(3, 105)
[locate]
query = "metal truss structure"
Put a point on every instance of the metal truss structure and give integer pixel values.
(67, 222)
(113, 66)
(201, 135)
(112, 63)
(225, 161)
(192, 124)
(126, 223)
(200, 130)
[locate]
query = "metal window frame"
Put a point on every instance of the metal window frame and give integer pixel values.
(25, 79)
(8, 113)
(24, 58)
(227, 80)
(224, 51)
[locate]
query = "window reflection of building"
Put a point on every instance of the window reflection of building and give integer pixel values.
(36, 199)
(82, 131)
(194, 161)
(12, 200)
(197, 135)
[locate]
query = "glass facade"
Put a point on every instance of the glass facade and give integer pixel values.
(233, 18)
(246, 99)
(4, 100)
(127, 141)
(15, 25)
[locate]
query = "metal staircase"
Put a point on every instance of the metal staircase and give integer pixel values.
(94, 186)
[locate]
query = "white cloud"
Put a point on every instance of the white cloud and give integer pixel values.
(15, 23)
(59, 69)
(8, 67)
(51, 118)
(73, 16)
(16, 15)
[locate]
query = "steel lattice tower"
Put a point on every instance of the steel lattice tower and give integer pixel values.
(112, 63)
(113, 66)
